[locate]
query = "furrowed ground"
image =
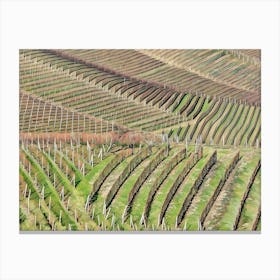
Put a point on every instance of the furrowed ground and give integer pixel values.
(140, 140)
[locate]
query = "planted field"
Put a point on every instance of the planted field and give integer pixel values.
(139, 140)
(59, 192)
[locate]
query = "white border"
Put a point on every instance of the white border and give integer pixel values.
(189, 24)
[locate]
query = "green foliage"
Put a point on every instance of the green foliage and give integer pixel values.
(138, 186)
(50, 191)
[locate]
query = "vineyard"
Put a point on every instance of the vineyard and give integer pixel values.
(139, 140)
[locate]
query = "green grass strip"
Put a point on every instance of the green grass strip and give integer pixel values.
(50, 191)
(179, 198)
(84, 188)
(77, 203)
(238, 187)
(252, 203)
(36, 196)
(162, 193)
(207, 189)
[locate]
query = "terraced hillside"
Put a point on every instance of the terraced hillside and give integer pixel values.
(71, 188)
(78, 94)
(128, 140)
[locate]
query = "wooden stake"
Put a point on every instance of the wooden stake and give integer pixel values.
(25, 190)
(73, 180)
(62, 193)
(163, 226)
(87, 202)
(50, 202)
(107, 215)
(113, 221)
(141, 219)
(199, 225)
(28, 201)
(104, 209)
(68, 201)
(43, 193)
(124, 214)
